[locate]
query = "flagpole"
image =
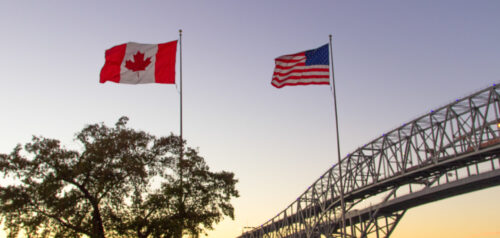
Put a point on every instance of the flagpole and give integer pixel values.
(181, 155)
(180, 79)
(342, 203)
(181, 191)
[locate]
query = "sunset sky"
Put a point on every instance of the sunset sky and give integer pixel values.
(394, 60)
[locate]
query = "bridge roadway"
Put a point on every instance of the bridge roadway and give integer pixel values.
(450, 151)
(428, 195)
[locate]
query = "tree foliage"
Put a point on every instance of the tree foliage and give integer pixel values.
(121, 183)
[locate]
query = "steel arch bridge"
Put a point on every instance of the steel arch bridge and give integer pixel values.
(447, 152)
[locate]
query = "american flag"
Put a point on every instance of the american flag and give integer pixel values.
(304, 68)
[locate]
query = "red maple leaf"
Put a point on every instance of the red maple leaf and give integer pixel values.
(139, 64)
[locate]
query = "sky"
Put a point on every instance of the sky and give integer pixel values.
(393, 60)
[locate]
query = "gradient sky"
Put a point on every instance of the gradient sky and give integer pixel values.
(394, 60)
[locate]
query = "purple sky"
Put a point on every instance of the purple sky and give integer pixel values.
(394, 60)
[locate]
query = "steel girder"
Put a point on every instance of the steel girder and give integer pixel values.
(454, 144)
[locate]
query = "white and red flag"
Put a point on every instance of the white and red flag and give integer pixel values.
(134, 63)
(303, 68)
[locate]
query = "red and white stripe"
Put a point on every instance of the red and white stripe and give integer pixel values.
(291, 70)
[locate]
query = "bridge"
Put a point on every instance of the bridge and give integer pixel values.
(449, 151)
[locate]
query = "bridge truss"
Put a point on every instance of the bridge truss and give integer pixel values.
(447, 152)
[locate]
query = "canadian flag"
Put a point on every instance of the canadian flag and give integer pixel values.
(135, 63)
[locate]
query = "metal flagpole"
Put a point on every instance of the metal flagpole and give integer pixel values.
(180, 79)
(342, 204)
(181, 191)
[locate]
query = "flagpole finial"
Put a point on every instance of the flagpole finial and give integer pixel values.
(180, 31)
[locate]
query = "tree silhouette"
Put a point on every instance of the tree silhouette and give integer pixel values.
(123, 183)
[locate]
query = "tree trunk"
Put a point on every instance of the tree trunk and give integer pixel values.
(98, 228)
(178, 234)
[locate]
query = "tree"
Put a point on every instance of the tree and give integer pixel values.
(122, 183)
